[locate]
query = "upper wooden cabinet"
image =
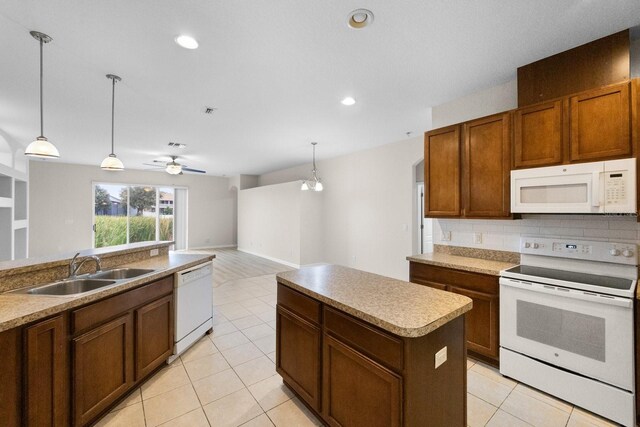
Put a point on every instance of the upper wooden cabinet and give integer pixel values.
(442, 172)
(483, 148)
(585, 127)
(487, 163)
(600, 124)
(538, 135)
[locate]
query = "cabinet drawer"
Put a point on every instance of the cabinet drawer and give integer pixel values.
(421, 273)
(92, 315)
(374, 343)
(299, 303)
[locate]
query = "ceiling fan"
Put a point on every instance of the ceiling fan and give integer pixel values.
(172, 167)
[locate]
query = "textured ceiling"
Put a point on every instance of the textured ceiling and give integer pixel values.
(275, 70)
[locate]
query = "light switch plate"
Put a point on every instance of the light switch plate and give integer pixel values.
(445, 236)
(441, 357)
(154, 252)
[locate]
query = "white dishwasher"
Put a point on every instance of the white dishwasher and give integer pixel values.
(193, 305)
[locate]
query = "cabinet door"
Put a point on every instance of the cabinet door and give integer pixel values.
(600, 124)
(11, 357)
(47, 382)
(102, 367)
(442, 172)
(154, 335)
(298, 354)
(348, 373)
(481, 323)
(487, 163)
(538, 135)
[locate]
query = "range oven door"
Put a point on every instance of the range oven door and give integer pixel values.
(583, 332)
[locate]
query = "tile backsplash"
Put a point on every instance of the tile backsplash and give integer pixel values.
(505, 235)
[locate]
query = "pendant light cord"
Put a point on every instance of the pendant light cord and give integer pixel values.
(41, 109)
(113, 102)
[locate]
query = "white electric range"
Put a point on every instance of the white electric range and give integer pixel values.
(566, 322)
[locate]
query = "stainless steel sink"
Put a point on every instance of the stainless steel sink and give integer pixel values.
(70, 287)
(121, 273)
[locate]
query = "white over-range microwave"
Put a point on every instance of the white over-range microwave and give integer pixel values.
(592, 188)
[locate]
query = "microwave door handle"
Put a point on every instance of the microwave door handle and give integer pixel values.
(596, 199)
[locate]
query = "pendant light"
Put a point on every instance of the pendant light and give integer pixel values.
(41, 147)
(111, 162)
(314, 183)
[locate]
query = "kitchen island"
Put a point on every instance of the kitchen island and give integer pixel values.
(361, 349)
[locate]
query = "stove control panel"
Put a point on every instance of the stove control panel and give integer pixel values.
(589, 250)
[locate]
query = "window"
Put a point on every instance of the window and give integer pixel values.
(132, 213)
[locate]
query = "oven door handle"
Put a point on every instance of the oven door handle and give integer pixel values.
(567, 293)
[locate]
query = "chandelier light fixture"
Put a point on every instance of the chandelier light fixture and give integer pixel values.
(41, 147)
(111, 162)
(314, 183)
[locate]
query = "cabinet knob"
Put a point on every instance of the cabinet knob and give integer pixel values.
(614, 252)
(627, 253)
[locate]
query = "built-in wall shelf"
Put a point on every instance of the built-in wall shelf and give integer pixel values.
(6, 202)
(20, 224)
(14, 214)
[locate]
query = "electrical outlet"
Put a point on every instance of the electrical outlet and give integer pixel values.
(154, 252)
(477, 238)
(441, 356)
(445, 236)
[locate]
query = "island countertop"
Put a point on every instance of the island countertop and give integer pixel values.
(402, 308)
(19, 309)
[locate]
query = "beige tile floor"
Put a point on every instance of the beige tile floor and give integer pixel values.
(229, 378)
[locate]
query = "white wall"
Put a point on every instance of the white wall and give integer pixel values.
(368, 206)
(486, 102)
(269, 221)
(61, 205)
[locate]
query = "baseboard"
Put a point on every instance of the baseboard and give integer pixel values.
(200, 248)
(279, 261)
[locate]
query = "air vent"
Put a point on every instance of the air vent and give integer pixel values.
(177, 145)
(209, 110)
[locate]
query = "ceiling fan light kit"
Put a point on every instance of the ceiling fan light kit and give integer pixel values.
(314, 183)
(41, 147)
(111, 162)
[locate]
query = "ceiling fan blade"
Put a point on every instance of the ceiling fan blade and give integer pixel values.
(152, 165)
(193, 170)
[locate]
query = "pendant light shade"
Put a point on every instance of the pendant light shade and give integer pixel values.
(314, 183)
(111, 162)
(41, 147)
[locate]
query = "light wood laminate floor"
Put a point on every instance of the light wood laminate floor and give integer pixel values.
(229, 378)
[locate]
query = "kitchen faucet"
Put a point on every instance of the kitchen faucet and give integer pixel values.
(74, 267)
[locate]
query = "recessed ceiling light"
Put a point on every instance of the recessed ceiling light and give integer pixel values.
(360, 18)
(348, 101)
(187, 42)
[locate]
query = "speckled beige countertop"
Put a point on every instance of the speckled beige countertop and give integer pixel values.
(475, 265)
(400, 307)
(19, 309)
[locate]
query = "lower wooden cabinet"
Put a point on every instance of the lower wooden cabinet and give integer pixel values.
(70, 369)
(102, 367)
(482, 322)
(46, 368)
(299, 365)
(352, 373)
(348, 373)
(154, 335)
(11, 374)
